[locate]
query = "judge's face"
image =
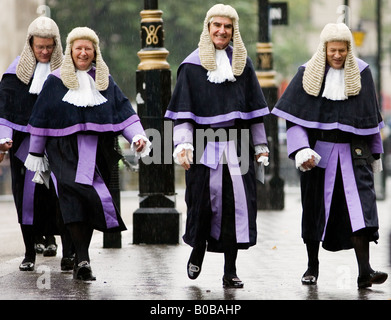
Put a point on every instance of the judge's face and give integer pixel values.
(43, 48)
(336, 52)
(83, 53)
(220, 31)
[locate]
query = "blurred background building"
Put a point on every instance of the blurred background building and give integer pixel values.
(118, 24)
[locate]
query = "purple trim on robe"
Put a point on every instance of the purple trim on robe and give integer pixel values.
(194, 57)
(86, 174)
(87, 146)
(12, 67)
(83, 127)
(28, 186)
(297, 139)
(217, 119)
(324, 149)
(28, 198)
(132, 130)
(54, 179)
(57, 73)
(341, 151)
(212, 154)
(183, 133)
(361, 64)
(212, 158)
(215, 189)
(240, 199)
(5, 131)
(327, 126)
(12, 125)
(107, 202)
(258, 133)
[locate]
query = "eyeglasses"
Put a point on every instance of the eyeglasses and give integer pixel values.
(41, 48)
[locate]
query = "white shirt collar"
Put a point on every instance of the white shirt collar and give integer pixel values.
(42, 70)
(223, 71)
(86, 95)
(334, 88)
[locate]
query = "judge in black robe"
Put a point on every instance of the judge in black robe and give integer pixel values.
(76, 118)
(222, 121)
(339, 126)
(36, 205)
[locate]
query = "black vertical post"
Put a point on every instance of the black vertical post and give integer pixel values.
(156, 221)
(113, 239)
(270, 195)
(381, 190)
(379, 50)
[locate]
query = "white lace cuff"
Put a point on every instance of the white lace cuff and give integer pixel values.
(261, 148)
(147, 148)
(34, 163)
(4, 140)
(377, 166)
(179, 148)
(305, 155)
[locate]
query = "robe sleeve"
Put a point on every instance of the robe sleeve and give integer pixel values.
(5, 132)
(297, 139)
(376, 144)
(183, 133)
(130, 131)
(37, 144)
(258, 133)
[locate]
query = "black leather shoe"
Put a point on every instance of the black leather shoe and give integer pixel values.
(27, 265)
(232, 282)
(309, 280)
(67, 263)
(376, 277)
(83, 272)
(39, 248)
(50, 250)
(310, 277)
(195, 262)
(193, 271)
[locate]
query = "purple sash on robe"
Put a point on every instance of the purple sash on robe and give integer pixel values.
(85, 174)
(28, 186)
(212, 158)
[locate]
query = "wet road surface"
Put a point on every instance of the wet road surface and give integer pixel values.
(271, 270)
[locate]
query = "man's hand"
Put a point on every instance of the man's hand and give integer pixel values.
(4, 147)
(264, 154)
(185, 158)
(140, 145)
(309, 164)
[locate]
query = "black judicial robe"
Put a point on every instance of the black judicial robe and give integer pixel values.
(80, 149)
(35, 204)
(338, 196)
(221, 204)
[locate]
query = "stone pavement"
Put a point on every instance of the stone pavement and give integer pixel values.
(271, 270)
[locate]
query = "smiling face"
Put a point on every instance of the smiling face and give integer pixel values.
(336, 52)
(83, 53)
(220, 31)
